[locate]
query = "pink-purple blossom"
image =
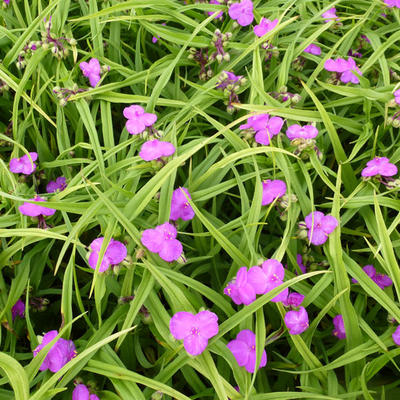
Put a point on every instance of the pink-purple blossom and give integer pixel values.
(293, 300)
(397, 96)
(301, 132)
(162, 240)
(242, 12)
(138, 119)
(339, 330)
(18, 309)
(91, 70)
(299, 259)
(194, 330)
(156, 149)
(296, 321)
(243, 349)
(345, 68)
(24, 165)
(114, 254)
(35, 210)
(379, 166)
(59, 184)
(60, 353)
(220, 14)
(330, 15)
(240, 290)
(265, 26)
(313, 49)
(265, 126)
(272, 189)
(381, 280)
(81, 392)
(180, 207)
(396, 336)
(319, 227)
(392, 3)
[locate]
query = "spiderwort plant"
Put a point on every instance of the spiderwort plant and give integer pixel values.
(272, 189)
(36, 210)
(81, 392)
(156, 150)
(339, 330)
(18, 309)
(264, 126)
(381, 280)
(296, 321)
(115, 253)
(91, 70)
(58, 185)
(319, 227)
(230, 84)
(242, 12)
(392, 3)
(24, 165)
(265, 26)
(138, 119)
(345, 70)
(396, 336)
(180, 207)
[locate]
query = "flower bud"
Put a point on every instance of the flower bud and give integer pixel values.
(219, 58)
(72, 42)
(296, 98)
(227, 57)
(396, 123)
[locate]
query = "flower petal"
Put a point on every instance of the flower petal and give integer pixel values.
(181, 324)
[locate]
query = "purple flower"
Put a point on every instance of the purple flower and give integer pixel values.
(162, 240)
(265, 26)
(330, 14)
(293, 300)
(81, 392)
(392, 3)
(242, 12)
(272, 189)
(339, 330)
(18, 309)
(194, 330)
(240, 290)
(268, 277)
(380, 279)
(220, 14)
(313, 49)
(155, 149)
(7, 2)
(320, 226)
(114, 254)
(60, 353)
(396, 336)
(299, 260)
(304, 132)
(23, 165)
(379, 166)
(138, 119)
(397, 96)
(59, 184)
(243, 349)
(296, 321)
(344, 68)
(272, 128)
(34, 210)
(180, 207)
(91, 70)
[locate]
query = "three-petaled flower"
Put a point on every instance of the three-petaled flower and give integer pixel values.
(265, 26)
(319, 227)
(138, 119)
(339, 330)
(242, 12)
(91, 70)
(381, 280)
(114, 254)
(330, 15)
(272, 189)
(156, 149)
(36, 210)
(81, 392)
(313, 49)
(345, 68)
(24, 165)
(180, 207)
(379, 166)
(301, 132)
(296, 321)
(59, 184)
(194, 330)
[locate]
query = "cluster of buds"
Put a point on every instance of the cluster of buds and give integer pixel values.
(394, 75)
(394, 120)
(298, 63)
(200, 56)
(362, 41)
(26, 51)
(63, 94)
(270, 51)
(306, 261)
(219, 41)
(304, 147)
(38, 303)
(3, 86)
(390, 183)
(284, 96)
(230, 84)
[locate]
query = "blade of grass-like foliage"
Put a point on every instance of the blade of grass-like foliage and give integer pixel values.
(16, 375)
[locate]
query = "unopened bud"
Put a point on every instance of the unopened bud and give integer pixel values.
(227, 57)
(396, 123)
(219, 58)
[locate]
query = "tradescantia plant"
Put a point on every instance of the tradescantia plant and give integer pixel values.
(199, 199)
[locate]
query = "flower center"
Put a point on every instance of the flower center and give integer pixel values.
(168, 236)
(195, 331)
(253, 347)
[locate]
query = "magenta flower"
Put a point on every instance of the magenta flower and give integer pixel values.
(379, 166)
(60, 353)
(272, 128)
(7, 2)
(380, 279)
(392, 3)
(156, 149)
(242, 12)
(296, 321)
(194, 330)
(272, 189)
(397, 96)
(23, 165)
(396, 336)
(313, 49)
(220, 14)
(304, 132)
(138, 119)
(59, 184)
(330, 14)
(268, 277)
(299, 260)
(293, 300)
(243, 349)
(344, 68)
(81, 392)
(257, 122)
(34, 210)
(18, 309)
(320, 226)
(240, 290)
(114, 254)
(91, 70)
(162, 240)
(180, 207)
(265, 26)
(339, 330)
